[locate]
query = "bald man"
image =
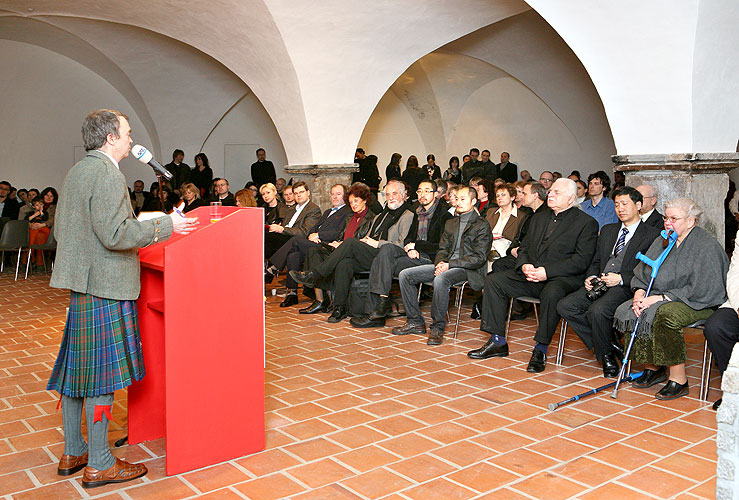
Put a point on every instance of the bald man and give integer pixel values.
(552, 261)
(648, 213)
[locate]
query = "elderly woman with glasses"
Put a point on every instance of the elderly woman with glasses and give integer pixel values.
(690, 284)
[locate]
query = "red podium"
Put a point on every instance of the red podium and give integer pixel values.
(201, 314)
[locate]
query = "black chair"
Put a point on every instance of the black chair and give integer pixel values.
(14, 237)
(50, 244)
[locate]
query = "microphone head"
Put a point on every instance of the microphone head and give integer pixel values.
(141, 153)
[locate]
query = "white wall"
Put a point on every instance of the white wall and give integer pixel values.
(43, 99)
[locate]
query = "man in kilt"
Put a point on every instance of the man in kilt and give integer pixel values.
(97, 259)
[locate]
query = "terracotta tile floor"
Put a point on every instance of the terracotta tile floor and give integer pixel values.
(361, 414)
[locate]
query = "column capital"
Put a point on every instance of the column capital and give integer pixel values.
(691, 163)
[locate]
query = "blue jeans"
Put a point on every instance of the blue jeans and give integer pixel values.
(409, 280)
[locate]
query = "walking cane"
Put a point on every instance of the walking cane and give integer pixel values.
(671, 237)
(554, 406)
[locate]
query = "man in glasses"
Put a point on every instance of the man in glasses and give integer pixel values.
(420, 247)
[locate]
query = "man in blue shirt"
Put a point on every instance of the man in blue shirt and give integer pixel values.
(600, 207)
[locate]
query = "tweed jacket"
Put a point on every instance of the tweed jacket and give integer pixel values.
(97, 235)
(473, 253)
(309, 217)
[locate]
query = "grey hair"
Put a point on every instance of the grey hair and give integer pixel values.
(98, 125)
(400, 183)
(570, 186)
(686, 206)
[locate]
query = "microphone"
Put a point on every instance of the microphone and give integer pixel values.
(144, 156)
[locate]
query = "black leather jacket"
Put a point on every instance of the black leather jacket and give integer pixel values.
(475, 245)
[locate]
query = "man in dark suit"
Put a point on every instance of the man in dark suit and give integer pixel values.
(262, 170)
(306, 214)
(222, 193)
(420, 247)
(293, 252)
(9, 207)
(506, 170)
(139, 196)
(613, 265)
(179, 169)
(472, 167)
(489, 168)
(551, 263)
(648, 213)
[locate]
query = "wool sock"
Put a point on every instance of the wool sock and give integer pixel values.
(541, 347)
(74, 442)
(100, 457)
(499, 339)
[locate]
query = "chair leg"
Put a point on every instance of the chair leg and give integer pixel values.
(420, 287)
(43, 259)
(508, 320)
(561, 344)
(28, 262)
(460, 294)
(536, 315)
(705, 372)
(18, 263)
(2, 262)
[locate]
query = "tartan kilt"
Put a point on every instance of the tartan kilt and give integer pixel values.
(101, 348)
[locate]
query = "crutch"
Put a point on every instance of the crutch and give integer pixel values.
(554, 406)
(671, 237)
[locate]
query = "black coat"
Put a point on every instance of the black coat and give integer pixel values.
(263, 172)
(413, 177)
(509, 172)
(656, 220)
(473, 253)
(11, 209)
(430, 245)
(196, 203)
(392, 172)
(525, 226)
(202, 180)
(330, 228)
(639, 242)
(568, 251)
(180, 172)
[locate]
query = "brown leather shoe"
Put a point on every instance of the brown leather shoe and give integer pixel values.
(436, 337)
(409, 328)
(121, 472)
(69, 464)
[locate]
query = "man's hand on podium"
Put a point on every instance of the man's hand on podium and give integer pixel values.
(182, 225)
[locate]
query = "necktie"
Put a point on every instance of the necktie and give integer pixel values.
(621, 243)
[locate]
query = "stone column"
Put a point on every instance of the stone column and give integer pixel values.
(320, 178)
(727, 437)
(702, 177)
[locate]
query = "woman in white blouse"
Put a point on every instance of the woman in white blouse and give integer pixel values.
(505, 221)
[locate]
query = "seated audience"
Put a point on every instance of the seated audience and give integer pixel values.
(355, 255)
(582, 192)
(599, 206)
(9, 207)
(191, 197)
(292, 253)
(648, 213)
(304, 216)
(518, 200)
(421, 245)
(138, 196)
(546, 178)
(357, 226)
(222, 193)
(252, 187)
(288, 196)
(690, 282)
(202, 175)
(461, 257)
(453, 173)
(483, 187)
(25, 209)
(590, 312)
(451, 195)
(279, 185)
(526, 176)
(245, 198)
(505, 222)
(552, 260)
(40, 227)
(275, 211)
(722, 328)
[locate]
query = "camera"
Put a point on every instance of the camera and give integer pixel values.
(599, 288)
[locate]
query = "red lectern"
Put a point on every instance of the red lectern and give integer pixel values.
(201, 314)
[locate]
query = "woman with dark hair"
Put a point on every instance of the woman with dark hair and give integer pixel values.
(357, 226)
(413, 175)
(392, 171)
(38, 232)
(202, 175)
(433, 170)
(453, 173)
(252, 186)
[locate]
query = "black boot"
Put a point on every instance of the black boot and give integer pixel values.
(383, 307)
(338, 314)
(314, 308)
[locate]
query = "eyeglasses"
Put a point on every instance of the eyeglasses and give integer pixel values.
(672, 220)
(425, 191)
